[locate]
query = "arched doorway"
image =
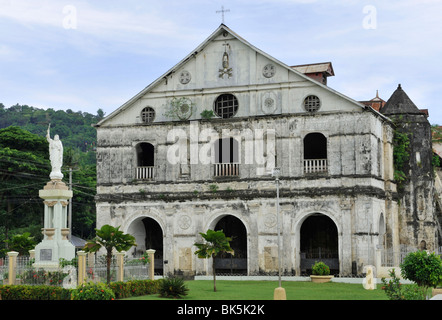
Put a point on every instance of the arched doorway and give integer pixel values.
(237, 263)
(319, 242)
(148, 235)
(154, 240)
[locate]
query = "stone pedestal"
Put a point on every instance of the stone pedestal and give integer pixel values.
(279, 294)
(55, 244)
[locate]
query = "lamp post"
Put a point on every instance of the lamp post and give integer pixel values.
(279, 293)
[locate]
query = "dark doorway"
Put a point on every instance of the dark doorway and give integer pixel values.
(226, 263)
(319, 242)
(315, 146)
(154, 240)
(226, 151)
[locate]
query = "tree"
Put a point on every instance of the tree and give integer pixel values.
(24, 169)
(423, 268)
(215, 242)
(110, 237)
(22, 243)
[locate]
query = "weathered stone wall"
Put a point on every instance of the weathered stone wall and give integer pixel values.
(354, 193)
(355, 146)
(417, 195)
(357, 220)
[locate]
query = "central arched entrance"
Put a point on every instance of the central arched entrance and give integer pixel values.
(319, 242)
(237, 263)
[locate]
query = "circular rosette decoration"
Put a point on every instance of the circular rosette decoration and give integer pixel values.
(182, 108)
(269, 103)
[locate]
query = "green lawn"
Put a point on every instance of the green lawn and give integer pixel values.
(263, 290)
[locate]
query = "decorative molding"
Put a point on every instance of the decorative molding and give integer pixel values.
(185, 77)
(269, 103)
(269, 70)
(50, 203)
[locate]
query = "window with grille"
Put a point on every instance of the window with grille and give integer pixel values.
(147, 115)
(226, 106)
(312, 103)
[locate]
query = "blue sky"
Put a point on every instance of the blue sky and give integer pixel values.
(86, 55)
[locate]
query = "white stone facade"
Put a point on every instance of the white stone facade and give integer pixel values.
(169, 169)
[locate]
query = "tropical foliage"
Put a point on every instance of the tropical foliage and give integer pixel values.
(109, 238)
(320, 269)
(423, 268)
(173, 287)
(25, 168)
(215, 243)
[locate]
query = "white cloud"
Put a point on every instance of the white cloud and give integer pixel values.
(118, 47)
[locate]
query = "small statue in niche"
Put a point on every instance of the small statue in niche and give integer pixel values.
(226, 69)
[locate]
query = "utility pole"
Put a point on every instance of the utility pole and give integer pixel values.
(279, 293)
(70, 205)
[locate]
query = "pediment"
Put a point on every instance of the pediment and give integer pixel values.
(226, 63)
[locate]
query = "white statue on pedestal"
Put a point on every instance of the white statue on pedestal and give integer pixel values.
(55, 155)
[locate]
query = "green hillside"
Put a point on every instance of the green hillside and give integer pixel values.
(25, 168)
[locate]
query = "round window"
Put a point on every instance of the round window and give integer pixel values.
(226, 106)
(147, 115)
(312, 103)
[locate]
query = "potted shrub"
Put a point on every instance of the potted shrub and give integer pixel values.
(320, 273)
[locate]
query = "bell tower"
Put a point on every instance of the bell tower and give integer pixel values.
(416, 190)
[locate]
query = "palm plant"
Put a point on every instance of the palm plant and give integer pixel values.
(215, 242)
(110, 237)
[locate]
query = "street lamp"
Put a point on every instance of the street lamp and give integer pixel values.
(279, 293)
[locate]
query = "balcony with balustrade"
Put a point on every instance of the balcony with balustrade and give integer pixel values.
(226, 169)
(315, 166)
(145, 173)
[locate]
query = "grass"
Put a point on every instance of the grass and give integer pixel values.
(263, 290)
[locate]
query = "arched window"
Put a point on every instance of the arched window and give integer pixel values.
(226, 105)
(145, 161)
(315, 153)
(226, 157)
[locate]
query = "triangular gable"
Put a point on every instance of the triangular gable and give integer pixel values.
(220, 30)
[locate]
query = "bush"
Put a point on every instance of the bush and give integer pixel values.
(423, 268)
(320, 269)
(40, 292)
(134, 288)
(87, 291)
(396, 291)
(93, 291)
(173, 287)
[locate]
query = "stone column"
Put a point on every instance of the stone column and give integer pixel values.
(12, 267)
(81, 267)
(120, 264)
(151, 252)
(55, 244)
(91, 259)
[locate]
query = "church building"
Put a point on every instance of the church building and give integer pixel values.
(198, 147)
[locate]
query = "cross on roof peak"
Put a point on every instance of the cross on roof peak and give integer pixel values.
(222, 12)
